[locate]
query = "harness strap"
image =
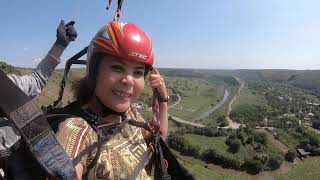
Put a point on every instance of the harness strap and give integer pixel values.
(165, 175)
(72, 60)
(142, 163)
(90, 148)
(144, 160)
(74, 110)
(140, 125)
(35, 130)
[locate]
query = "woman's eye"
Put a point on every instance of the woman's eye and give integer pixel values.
(139, 73)
(117, 68)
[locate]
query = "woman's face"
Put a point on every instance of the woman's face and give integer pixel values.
(119, 83)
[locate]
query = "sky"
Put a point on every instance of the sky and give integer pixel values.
(207, 34)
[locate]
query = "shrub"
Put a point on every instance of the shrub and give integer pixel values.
(8, 69)
(176, 141)
(260, 138)
(212, 156)
(224, 123)
(191, 150)
(252, 166)
(234, 144)
(261, 157)
(274, 162)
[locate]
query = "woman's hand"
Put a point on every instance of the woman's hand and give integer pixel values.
(157, 82)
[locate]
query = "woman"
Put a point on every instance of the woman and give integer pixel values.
(119, 59)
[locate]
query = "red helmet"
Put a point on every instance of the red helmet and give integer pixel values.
(123, 40)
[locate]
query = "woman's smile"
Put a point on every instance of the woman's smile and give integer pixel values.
(122, 94)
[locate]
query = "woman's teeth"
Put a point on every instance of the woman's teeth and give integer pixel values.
(122, 94)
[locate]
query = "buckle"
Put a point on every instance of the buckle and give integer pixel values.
(166, 177)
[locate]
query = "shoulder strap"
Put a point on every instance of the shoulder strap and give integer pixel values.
(56, 115)
(90, 148)
(35, 130)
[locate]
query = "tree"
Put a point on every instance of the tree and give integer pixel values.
(224, 123)
(253, 166)
(209, 155)
(234, 144)
(242, 136)
(191, 150)
(260, 137)
(316, 124)
(274, 162)
(221, 119)
(314, 140)
(290, 155)
(249, 140)
(261, 157)
(176, 141)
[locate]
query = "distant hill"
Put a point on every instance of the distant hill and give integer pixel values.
(306, 79)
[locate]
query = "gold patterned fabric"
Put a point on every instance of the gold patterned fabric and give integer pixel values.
(118, 157)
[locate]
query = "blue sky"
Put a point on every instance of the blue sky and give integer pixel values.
(217, 34)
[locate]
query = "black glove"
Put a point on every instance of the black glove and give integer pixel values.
(65, 34)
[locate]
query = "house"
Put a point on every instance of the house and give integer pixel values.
(302, 153)
(310, 114)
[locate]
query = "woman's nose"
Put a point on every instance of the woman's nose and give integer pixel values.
(127, 79)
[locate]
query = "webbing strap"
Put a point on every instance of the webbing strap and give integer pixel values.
(140, 125)
(142, 163)
(94, 145)
(156, 120)
(165, 175)
(35, 130)
(72, 60)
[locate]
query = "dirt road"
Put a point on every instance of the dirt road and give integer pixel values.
(233, 124)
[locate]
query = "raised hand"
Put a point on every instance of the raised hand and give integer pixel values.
(65, 34)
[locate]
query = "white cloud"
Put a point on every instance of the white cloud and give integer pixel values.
(36, 61)
(25, 49)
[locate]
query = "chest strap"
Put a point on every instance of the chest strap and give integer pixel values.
(111, 133)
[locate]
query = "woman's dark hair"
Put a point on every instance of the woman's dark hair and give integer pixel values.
(84, 88)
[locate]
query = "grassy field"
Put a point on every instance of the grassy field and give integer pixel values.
(287, 138)
(51, 90)
(205, 142)
(218, 143)
(202, 170)
(308, 169)
(273, 144)
(249, 96)
(197, 96)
